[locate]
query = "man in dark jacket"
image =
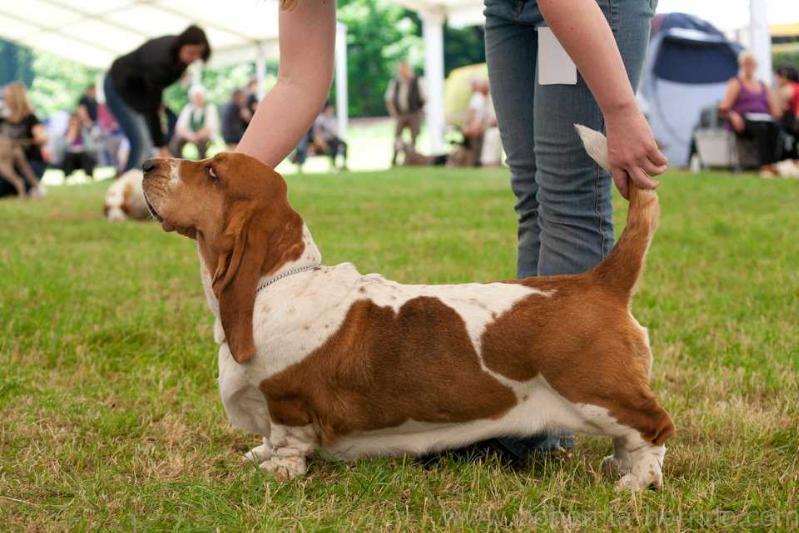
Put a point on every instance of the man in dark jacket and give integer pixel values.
(135, 84)
(405, 99)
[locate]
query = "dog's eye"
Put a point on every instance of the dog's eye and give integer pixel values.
(212, 174)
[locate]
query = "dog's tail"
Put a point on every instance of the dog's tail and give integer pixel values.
(622, 269)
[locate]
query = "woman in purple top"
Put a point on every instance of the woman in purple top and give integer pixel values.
(751, 109)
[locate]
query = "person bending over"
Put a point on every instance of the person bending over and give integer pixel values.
(135, 84)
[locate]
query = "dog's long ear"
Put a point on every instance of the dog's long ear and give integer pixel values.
(235, 281)
(262, 234)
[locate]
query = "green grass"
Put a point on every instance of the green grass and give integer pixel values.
(110, 416)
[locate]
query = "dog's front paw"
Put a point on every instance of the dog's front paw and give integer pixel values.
(635, 483)
(285, 468)
(613, 466)
(259, 454)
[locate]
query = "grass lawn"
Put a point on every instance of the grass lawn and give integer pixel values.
(110, 416)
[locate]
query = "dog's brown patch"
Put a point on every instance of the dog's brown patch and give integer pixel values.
(584, 342)
(382, 368)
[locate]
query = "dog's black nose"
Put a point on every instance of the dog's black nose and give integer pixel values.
(148, 165)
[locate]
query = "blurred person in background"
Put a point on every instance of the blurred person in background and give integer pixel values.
(110, 139)
(405, 99)
(252, 95)
(135, 84)
(787, 95)
(478, 119)
(236, 115)
(21, 124)
(87, 107)
(78, 150)
(325, 136)
(198, 124)
(751, 110)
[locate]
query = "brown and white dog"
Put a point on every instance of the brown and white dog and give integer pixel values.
(323, 357)
(124, 199)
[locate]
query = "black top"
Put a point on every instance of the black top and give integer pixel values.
(23, 130)
(91, 106)
(141, 76)
(233, 125)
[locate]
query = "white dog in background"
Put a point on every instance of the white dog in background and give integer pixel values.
(125, 198)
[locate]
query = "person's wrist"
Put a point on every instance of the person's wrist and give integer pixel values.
(621, 109)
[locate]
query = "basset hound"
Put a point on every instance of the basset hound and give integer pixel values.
(124, 199)
(316, 357)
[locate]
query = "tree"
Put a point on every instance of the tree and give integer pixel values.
(57, 83)
(379, 34)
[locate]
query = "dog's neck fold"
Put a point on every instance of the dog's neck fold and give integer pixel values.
(311, 257)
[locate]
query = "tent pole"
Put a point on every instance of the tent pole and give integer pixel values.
(433, 35)
(99, 78)
(260, 69)
(342, 103)
(760, 39)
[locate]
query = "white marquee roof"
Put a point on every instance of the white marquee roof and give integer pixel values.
(459, 13)
(95, 32)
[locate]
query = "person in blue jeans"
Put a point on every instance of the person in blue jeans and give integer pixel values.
(563, 199)
(135, 84)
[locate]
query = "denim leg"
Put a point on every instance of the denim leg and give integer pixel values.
(132, 123)
(511, 53)
(511, 50)
(574, 194)
(563, 200)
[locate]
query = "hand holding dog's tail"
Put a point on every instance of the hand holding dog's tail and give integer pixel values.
(621, 270)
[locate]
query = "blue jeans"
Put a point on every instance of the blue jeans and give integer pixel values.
(563, 199)
(133, 125)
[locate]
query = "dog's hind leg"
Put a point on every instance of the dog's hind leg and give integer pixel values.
(638, 456)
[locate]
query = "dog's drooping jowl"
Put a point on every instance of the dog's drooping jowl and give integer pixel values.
(323, 357)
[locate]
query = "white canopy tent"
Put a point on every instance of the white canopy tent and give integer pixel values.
(94, 32)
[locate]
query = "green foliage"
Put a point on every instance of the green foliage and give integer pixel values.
(379, 34)
(54, 83)
(219, 83)
(58, 84)
(786, 57)
(462, 47)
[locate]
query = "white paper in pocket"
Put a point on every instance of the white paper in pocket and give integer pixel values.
(555, 67)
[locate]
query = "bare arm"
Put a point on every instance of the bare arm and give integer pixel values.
(307, 41)
(773, 104)
(730, 96)
(583, 31)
